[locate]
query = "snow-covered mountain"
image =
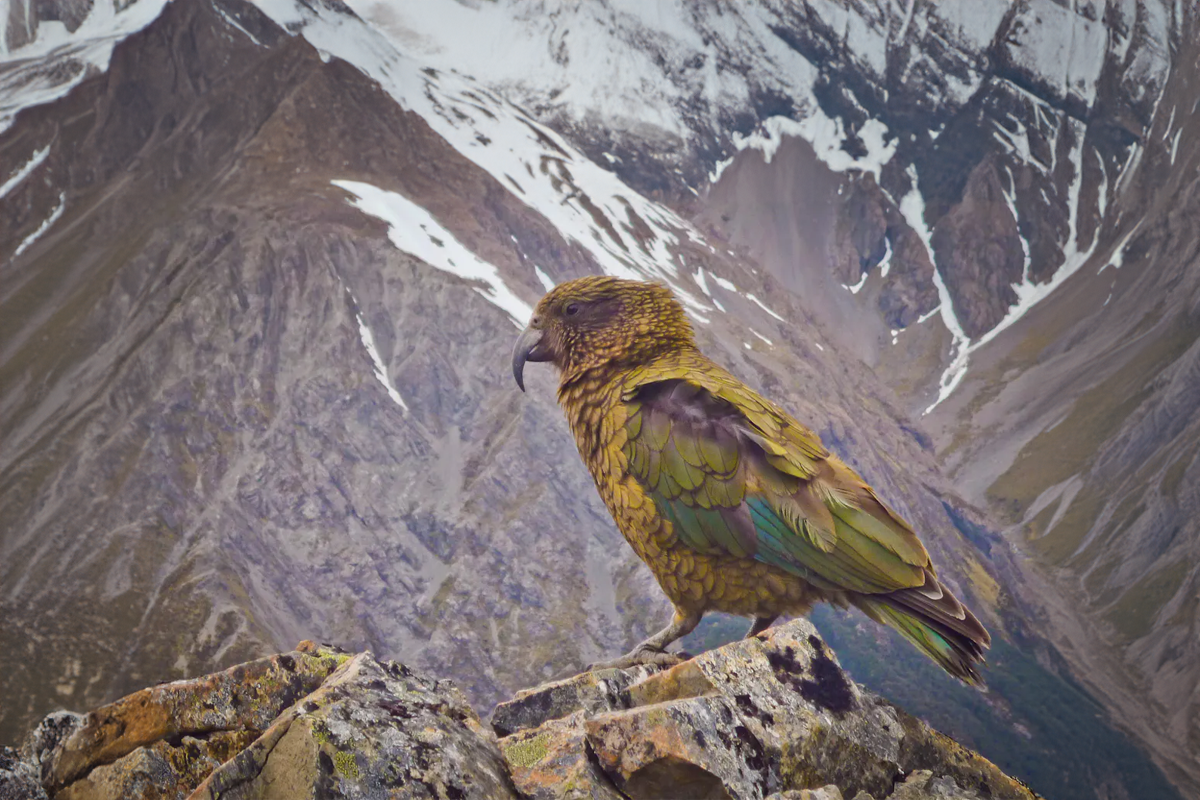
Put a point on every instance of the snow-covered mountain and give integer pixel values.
(1037, 105)
(262, 263)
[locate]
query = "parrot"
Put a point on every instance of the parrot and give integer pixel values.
(733, 505)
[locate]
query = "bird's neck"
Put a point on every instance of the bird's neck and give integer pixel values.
(591, 399)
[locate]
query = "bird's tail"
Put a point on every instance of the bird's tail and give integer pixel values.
(940, 627)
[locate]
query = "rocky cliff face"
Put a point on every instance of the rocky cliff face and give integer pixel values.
(773, 717)
(262, 267)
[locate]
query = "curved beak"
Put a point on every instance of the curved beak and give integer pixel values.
(529, 347)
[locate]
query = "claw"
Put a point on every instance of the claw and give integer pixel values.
(640, 656)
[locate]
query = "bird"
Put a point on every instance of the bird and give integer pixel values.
(733, 505)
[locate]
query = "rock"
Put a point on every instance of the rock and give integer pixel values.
(21, 771)
(770, 717)
(554, 762)
(247, 697)
(161, 770)
(979, 250)
(769, 714)
(922, 785)
(590, 691)
(46, 737)
(18, 778)
(830, 792)
(371, 729)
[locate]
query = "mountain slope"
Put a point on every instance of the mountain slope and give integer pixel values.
(986, 204)
(202, 332)
(261, 277)
(1094, 399)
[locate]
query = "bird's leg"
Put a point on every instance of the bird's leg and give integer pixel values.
(653, 651)
(760, 624)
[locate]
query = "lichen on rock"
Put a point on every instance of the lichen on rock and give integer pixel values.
(773, 717)
(771, 714)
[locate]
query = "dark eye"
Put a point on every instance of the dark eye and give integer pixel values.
(572, 309)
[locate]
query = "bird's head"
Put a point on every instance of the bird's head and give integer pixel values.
(588, 322)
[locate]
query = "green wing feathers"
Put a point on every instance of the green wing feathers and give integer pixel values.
(735, 475)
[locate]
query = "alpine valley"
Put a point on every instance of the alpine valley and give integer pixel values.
(262, 263)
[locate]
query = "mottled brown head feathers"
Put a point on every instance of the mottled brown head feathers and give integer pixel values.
(592, 321)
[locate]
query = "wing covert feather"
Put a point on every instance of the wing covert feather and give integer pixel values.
(735, 475)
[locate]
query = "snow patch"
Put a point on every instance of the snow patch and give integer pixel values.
(45, 226)
(413, 230)
(974, 24)
(912, 208)
(1117, 259)
(1131, 165)
(234, 24)
(1060, 47)
(1010, 199)
(1015, 143)
(628, 235)
(856, 288)
(702, 281)
(545, 279)
(885, 266)
(1029, 293)
(21, 174)
(724, 284)
(638, 66)
(718, 169)
(368, 340)
(760, 336)
(827, 138)
(763, 306)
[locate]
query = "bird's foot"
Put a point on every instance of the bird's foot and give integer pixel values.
(641, 656)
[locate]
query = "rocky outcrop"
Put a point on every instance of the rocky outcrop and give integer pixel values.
(316, 722)
(770, 717)
(772, 714)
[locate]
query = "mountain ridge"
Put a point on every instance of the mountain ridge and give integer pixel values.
(345, 450)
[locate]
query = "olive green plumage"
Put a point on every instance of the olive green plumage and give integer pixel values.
(733, 504)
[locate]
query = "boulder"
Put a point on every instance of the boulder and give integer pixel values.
(247, 697)
(771, 714)
(554, 762)
(372, 730)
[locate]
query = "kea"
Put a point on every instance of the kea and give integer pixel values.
(733, 504)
